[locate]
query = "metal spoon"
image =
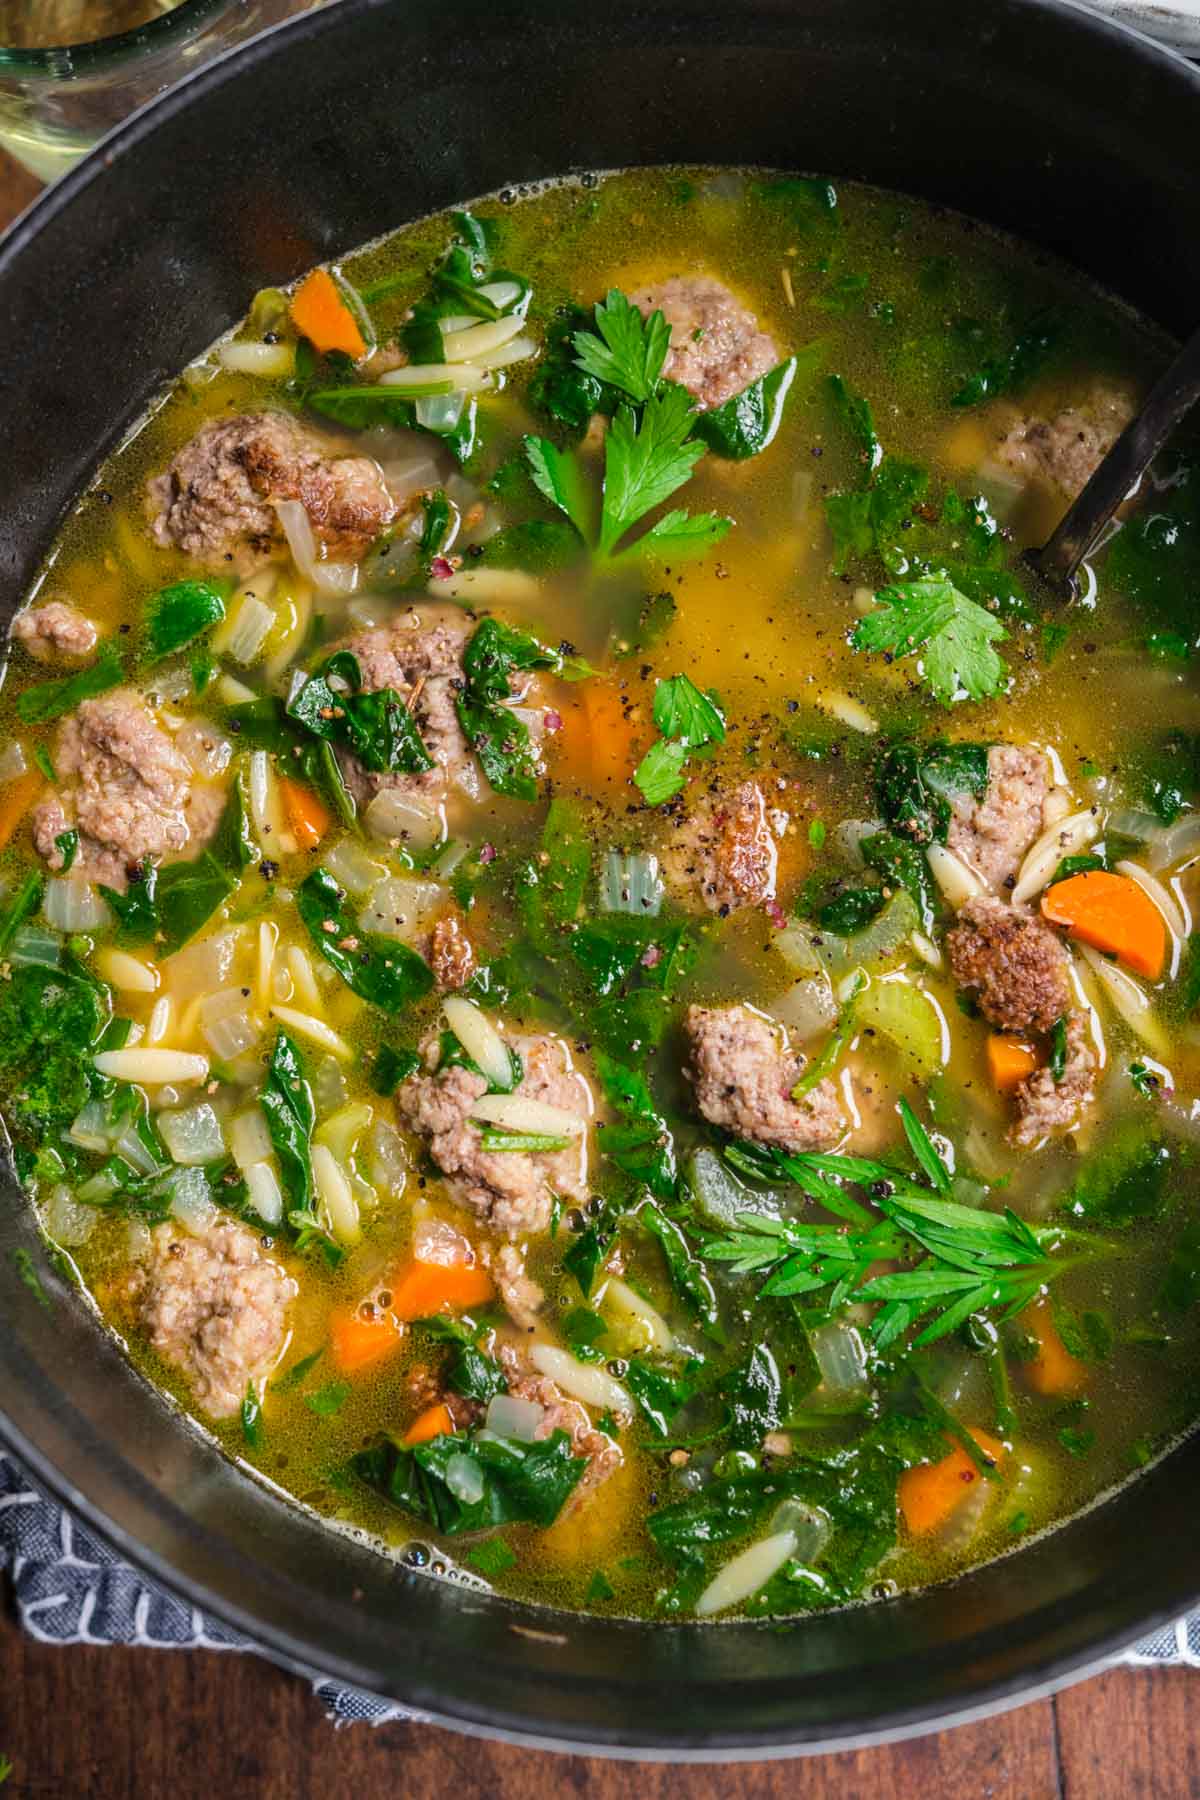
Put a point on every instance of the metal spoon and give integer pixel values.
(1168, 402)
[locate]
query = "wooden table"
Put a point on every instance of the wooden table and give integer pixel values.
(160, 1725)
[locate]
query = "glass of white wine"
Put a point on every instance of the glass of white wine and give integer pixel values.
(72, 69)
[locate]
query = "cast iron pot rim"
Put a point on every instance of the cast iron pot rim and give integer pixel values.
(516, 1726)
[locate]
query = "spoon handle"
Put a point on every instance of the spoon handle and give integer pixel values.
(1168, 402)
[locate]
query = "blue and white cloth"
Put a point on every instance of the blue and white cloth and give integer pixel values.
(70, 1589)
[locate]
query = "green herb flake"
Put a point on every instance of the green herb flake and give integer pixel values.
(491, 1558)
(328, 1399)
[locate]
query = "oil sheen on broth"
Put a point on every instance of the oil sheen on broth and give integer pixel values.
(593, 979)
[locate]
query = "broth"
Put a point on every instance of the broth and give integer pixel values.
(553, 1269)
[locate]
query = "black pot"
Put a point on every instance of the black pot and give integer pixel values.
(1074, 134)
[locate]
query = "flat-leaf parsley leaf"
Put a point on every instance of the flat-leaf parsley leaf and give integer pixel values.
(955, 635)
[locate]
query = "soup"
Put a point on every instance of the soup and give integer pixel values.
(595, 981)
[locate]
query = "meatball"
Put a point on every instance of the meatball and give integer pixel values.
(1044, 1105)
(717, 347)
(216, 501)
(126, 790)
(215, 1308)
(523, 1297)
(420, 657)
(512, 1191)
(55, 632)
(724, 853)
(1014, 964)
(743, 1078)
(994, 834)
(1064, 452)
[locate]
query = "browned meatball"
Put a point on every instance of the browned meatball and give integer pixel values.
(1014, 964)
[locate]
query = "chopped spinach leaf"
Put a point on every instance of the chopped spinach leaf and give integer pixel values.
(177, 615)
(383, 971)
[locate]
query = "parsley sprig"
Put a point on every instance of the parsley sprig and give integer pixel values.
(687, 720)
(958, 1260)
(955, 636)
(649, 452)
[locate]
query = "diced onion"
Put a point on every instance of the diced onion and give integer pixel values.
(249, 1138)
(151, 1066)
(465, 1479)
(908, 1018)
(234, 692)
(293, 603)
(481, 1041)
(1145, 828)
(842, 1359)
(1166, 902)
(630, 883)
(329, 1085)
(136, 1152)
(746, 1573)
(516, 1112)
(655, 1332)
(401, 907)
(315, 1030)
(1172, 844)
(1064, 838)
(351, 867)
(341, 1130)
(443, 378)
(129, 973)
(1128, 999)
(194, 1136)
(92, 1129)
(270, 361)
(72, 904)
(440, 412)
(477, 342)
(583, 1381)
(68, 1222)
(810, 1525)
(203, 967)
(250, 628)
(264, 1191)
(192, 1201)
(336, 1195)
(398, 817)
(326, 577)
(510, 1417)
(849, 837)
(807, 1008)
(420, 466)
(12, 760)
(227, 1024)
(388, 1163)
(957, 882)
(796, 944)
